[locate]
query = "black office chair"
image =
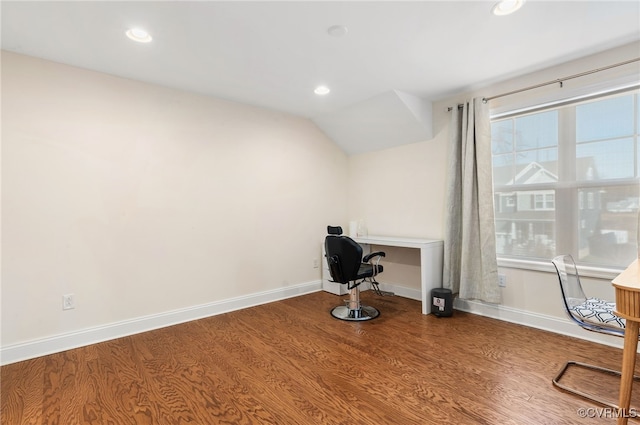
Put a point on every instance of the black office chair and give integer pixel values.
(592, 314)
(347, 266)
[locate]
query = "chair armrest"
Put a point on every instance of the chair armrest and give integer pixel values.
(368, 257)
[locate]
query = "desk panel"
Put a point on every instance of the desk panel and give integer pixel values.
(431, 253)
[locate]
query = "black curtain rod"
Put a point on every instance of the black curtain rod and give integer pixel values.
(556, 81)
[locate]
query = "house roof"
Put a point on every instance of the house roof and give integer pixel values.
(542, 172)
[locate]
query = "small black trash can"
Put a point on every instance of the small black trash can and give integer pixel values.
(442, 302)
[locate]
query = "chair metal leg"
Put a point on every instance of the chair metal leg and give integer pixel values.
(374, 285)
(556, 382)
(354, 310)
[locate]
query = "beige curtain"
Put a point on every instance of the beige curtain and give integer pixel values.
(470, 265)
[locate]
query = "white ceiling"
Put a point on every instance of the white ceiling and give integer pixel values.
(273, 54)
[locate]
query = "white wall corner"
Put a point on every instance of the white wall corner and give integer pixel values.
(387, 120)
(422, 110)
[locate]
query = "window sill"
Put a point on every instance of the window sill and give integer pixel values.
(547, 266)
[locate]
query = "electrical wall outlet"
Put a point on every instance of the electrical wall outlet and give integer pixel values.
(68, 302)
(502, 280)
(315, 263)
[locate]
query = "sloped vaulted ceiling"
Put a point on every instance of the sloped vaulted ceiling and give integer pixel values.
(383, 121)
(394, 60)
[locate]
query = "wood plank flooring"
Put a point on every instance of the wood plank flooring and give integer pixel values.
(290, 362)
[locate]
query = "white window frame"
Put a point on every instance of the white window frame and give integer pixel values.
(541, 265)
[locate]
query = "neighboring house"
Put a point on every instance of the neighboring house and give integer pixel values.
(526, 216)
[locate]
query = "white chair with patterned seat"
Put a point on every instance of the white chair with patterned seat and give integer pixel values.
(592, 314)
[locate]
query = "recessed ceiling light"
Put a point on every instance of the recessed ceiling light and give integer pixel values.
(139, 35)
(337, 30)
(322, 90)
(506, 7)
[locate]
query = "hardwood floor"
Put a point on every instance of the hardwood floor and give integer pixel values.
(290, 362)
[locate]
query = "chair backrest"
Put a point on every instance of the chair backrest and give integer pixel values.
(344, 257)
(572, 293)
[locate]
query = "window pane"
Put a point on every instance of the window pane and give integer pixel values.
(537, 130)
(537, 166)
(580, 166)
(503, 170)
(612, 159)
(525, 226)
(502, 136)
(605, 119)
(638, 134)
(608, 225)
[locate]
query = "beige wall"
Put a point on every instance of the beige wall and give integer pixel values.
(140, 199)
(401, 191)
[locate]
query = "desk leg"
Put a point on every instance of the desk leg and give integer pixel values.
(430, 273)
(424, 286)
(628, 367)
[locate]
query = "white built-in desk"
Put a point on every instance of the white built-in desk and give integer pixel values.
(430, 260)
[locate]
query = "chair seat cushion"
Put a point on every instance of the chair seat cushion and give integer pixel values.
(598, 312)
(366, 270)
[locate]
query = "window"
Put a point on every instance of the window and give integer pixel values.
(566, 181)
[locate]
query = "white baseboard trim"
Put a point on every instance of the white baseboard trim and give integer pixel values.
(521, 317)
(536, 320)
(55, 344)
(402, 291)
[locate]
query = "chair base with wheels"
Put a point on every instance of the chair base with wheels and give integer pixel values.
(354, 310)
